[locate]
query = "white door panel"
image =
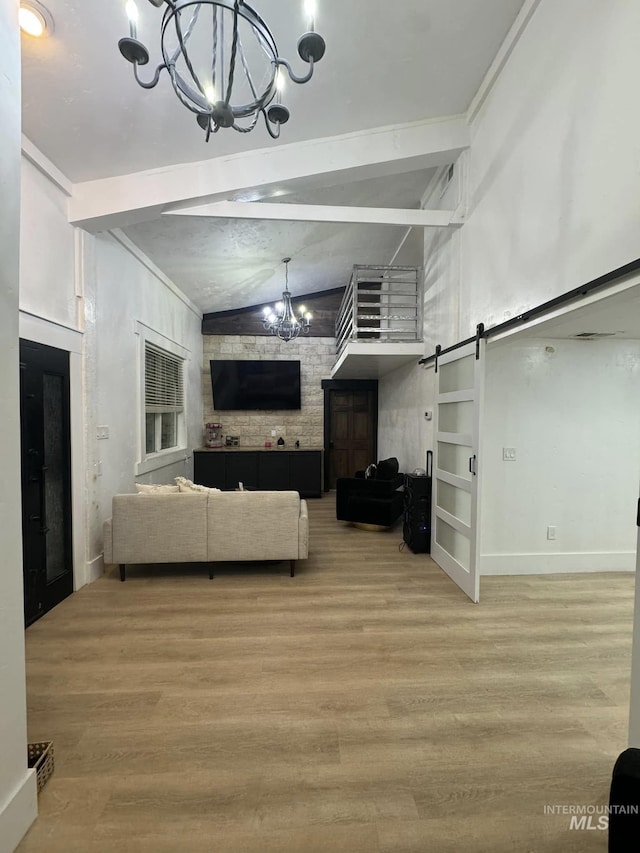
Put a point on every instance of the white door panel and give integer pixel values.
(634, 716)
(459, 393)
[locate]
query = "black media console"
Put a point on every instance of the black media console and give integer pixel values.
(269, 470)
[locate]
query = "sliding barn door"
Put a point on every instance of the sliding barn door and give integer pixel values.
(634, 717)
(459, 390)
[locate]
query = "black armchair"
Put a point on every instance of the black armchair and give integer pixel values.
(370, 499)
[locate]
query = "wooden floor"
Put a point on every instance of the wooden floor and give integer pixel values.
(364, 705)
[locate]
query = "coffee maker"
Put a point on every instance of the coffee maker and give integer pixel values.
(213, 435)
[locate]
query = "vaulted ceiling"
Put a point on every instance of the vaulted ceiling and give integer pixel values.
(386, 65)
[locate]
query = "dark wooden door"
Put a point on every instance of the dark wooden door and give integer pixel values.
(46, 477)
(352, 439)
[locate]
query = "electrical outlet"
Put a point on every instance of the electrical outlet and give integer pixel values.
(551, 531)
(273, 433)
(508, 454)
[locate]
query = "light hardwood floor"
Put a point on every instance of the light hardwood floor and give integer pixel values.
(364, 706)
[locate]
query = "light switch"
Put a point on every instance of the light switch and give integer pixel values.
(102, 432)
(508, 454)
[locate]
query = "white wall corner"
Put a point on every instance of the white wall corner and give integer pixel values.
(18, 813)
(432, 186)
(506, 49)
(146, 261)
(94, 569)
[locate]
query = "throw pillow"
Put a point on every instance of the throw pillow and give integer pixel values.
(387, 469)
(153, 489)
(184, 485)
(370, 472)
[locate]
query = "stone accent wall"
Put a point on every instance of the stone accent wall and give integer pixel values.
(316, 355)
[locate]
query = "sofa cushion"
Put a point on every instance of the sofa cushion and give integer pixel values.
(253, 526)
(159, 528)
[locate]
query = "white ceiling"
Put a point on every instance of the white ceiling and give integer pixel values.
(385, 64)
(224, 264)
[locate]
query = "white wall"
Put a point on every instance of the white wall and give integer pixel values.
(121, 291)
(47, 263)
(17, 784)
(554, 183)
(571, 410)
(86, 293)
(442, 249)
(52, 312)
(550, 187)
(410, 252)
(403, 431)
(551, 181)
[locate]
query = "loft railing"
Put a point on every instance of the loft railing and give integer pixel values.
(381, 304)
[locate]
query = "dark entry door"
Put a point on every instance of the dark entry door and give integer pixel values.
(46, 477)
(352, 444)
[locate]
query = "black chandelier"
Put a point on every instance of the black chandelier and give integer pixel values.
(222, 61)
(281, 320)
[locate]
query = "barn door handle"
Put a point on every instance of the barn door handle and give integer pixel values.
(472, 465)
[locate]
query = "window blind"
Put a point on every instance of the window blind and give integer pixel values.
(163, 383)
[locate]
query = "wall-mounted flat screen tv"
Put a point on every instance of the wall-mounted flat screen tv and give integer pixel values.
(255, 385)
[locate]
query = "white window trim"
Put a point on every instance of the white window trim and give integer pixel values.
(163, 458)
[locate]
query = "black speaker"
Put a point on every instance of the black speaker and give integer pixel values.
(416, 530)
(419, 487)
(624, 803)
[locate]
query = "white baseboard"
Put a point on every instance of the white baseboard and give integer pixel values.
(549, 564)
(95, 569)
(18, 813)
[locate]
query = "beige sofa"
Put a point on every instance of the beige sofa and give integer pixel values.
(206, 527)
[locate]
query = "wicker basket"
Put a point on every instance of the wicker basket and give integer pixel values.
(40, 757)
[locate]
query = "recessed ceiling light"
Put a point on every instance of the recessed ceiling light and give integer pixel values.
(35, 20)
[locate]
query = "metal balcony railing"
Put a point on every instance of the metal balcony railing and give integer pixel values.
(381, 304)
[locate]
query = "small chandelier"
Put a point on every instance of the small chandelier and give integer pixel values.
(281, 320)
(222, 61)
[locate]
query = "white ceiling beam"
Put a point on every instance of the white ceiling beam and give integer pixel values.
(125, 199)
(45, 166)
(319, 213)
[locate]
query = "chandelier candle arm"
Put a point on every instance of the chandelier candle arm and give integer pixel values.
(230, 89)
